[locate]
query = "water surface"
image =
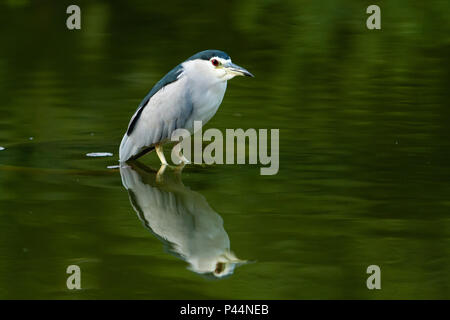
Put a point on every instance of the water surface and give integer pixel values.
(364, 153)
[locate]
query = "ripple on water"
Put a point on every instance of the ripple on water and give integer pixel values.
(99, 154)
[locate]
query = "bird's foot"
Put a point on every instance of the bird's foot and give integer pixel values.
(160, 153)
(160, 173)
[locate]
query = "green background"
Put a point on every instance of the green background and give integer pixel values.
(364, 148)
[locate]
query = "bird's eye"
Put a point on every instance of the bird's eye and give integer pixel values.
(215, 62)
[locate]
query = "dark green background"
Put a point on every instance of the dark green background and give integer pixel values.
(364, 127)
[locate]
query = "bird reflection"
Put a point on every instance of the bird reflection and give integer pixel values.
(180, 217)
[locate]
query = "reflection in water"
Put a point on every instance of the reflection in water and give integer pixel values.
(181, 217)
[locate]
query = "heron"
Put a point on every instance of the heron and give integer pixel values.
(192, 91)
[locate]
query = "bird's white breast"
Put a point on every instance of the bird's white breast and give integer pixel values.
(206, 91)
(207, 103)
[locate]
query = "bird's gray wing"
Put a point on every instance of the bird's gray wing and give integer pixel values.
(167, 110)
(170, 77)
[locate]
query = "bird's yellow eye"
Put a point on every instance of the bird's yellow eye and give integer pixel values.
(215, 62)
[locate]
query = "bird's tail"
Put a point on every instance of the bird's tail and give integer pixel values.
(129, 150)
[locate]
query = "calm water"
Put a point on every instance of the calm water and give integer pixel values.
(364, 153)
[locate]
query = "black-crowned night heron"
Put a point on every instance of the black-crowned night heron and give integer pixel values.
(192, 91)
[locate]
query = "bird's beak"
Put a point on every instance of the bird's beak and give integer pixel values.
(237, 70)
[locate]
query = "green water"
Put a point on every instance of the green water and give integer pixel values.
(364, 151)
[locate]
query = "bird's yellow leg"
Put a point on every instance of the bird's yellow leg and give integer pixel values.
(160, 153)
(160, 174)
